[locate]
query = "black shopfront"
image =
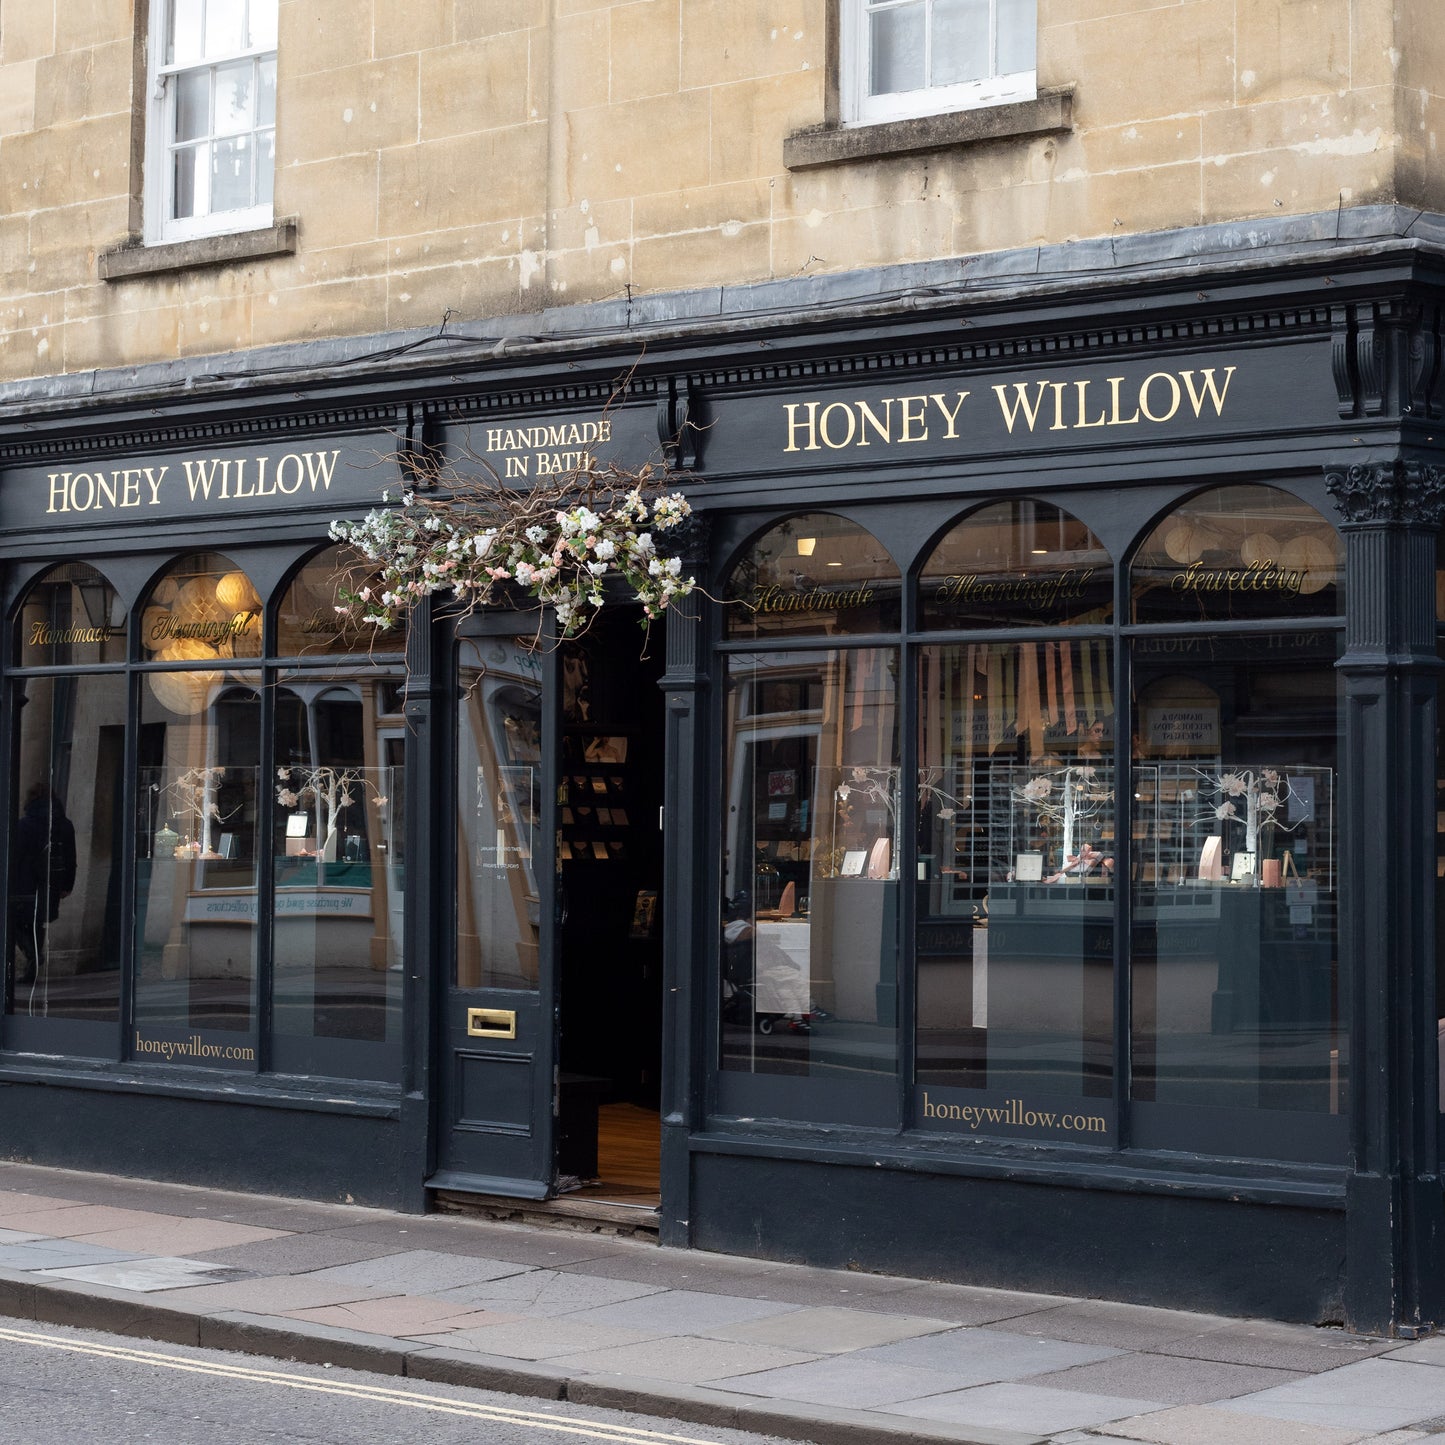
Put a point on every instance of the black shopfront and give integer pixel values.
(1018, 867)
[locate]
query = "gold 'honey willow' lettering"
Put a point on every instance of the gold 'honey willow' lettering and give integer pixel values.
(1039, 404)
(207, 479)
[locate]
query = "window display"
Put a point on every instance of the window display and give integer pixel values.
(812, 847)
(226, 750)
(1237, 1002)
(1016, 805)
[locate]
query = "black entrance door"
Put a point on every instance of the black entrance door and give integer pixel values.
(499, 1029)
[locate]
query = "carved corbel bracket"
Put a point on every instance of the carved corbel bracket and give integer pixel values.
(1387, 358)
(419, 450)
(1402, 492)
(677, 426)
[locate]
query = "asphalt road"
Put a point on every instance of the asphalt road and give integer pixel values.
(77, 1387)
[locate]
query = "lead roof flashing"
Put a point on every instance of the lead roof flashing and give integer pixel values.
(1224, 252)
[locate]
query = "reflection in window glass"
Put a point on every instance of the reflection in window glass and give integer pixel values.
(203, 610)
(307, 622)
(811, 857)
(1238, 553)
(1440, 828)
(1237, 999)
(196, 906)
(499, 755)
(1017, 564)
(812, 574)
(71, 617)
(1016, 846)
(64, 896)
(337, 865)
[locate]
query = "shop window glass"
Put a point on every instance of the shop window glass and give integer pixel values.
(203, 610)
(307, 622)
(499, 803)
(338, 869)
(1239, 553)
(1016, 835)
(71, 617)
(814, 573)
(197, 914)
(811, 861)
(64, 896)
(1015, 918)
(1237, 1003)
(1440, 828)
(1017, 564)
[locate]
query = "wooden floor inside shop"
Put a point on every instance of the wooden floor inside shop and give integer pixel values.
(629, 1153)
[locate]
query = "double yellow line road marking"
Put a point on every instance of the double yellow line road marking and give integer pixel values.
(321, 1385)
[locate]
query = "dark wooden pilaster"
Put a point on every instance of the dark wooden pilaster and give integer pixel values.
(1394, 1236)
(686, 892)
(420, 938)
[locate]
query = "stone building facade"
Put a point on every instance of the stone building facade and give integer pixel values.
(490, 159)
(1021, 866)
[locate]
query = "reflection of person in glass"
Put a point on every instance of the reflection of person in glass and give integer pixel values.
(42, 872)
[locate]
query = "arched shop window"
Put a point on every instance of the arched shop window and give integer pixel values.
(198, 794)
(1240, 1024)
(252, 906)
(1121, 784)
(1014, 933)
(810, 859)
(66, 839)
(337, 854)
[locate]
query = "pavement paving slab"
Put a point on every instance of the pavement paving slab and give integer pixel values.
(1422, 1352)
(402, 1316)
(72, 1221)
(274, 1295)
(1374, 1395)
(543, 1292)
(826, 1330)
(148, 1275)
(1139, 1327)
(841, 1380)
(1022, 1407)
(974, 1356)
(1307, 1348)
(683, 1312)
(682, 1360)
(545, 1339)
(19, 1202)
(1171, 1379)
(419, 1271)
(293, 1253)
(184, 1236)
(963, 1304)
(58, 1254)
(855, 1358)
(1204, 1425)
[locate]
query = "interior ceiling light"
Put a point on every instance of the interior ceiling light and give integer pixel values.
(806, 545)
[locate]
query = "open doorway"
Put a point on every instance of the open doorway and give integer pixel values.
(610, 863)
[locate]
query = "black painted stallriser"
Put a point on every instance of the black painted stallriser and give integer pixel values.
(339, 1158)
(1215, 1256)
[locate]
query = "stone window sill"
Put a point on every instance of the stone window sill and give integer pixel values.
(1049, 113)
(134, 259)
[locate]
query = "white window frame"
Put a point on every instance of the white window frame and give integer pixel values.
(160, 226)
(861, 108)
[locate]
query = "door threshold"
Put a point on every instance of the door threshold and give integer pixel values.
(590, 1216)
